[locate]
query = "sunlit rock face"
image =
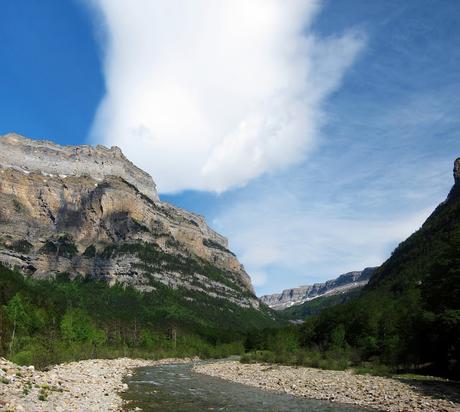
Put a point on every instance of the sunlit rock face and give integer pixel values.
(98, 162)
(297, 296)
(66, 208)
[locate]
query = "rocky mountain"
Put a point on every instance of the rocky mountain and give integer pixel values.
(297, 296)
(89, 212)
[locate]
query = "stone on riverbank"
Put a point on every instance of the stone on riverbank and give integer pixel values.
(89, 385)
(383, 394)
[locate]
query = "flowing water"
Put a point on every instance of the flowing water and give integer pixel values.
(176, 388)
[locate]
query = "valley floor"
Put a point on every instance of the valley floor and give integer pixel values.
(95, 385)
(383, 394)
(89, 385)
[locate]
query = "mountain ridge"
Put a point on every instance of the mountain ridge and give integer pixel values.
(49, 158)
(301, 294)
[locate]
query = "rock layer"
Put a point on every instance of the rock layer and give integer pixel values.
(69, 217)
(98, 162)
(297, 296)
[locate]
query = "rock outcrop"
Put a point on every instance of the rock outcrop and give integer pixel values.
(457, 171)
(297, 296)
(90, 212)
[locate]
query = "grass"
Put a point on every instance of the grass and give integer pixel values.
(373, 369)
(27, 388)
(421, 378)
(331, 360)
(312, 359)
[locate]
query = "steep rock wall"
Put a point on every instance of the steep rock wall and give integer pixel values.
(54, 222)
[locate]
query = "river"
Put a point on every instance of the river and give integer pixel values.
(176, 388)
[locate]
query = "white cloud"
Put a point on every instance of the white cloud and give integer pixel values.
(208, 94)
(258, 278)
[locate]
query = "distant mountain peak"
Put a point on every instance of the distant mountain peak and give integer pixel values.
(301, 294)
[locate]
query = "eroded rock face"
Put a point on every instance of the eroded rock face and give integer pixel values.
(297, 296)
(80, 217)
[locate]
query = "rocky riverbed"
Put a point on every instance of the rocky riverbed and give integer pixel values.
(379, 393)
(89, 385)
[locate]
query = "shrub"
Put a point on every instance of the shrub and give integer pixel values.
(21, 246)
(90, 251)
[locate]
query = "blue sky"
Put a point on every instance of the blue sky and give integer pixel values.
(315, 138)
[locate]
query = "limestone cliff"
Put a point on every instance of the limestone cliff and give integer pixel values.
(297, 296)
(90, 212)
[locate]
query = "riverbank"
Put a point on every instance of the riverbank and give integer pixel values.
(89, 385)
(383, 394)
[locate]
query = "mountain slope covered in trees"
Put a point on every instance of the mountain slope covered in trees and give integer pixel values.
(407, 317)
(50, 321)
(95, 264)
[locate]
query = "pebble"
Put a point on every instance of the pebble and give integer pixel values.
(383, 394)
(89, 385)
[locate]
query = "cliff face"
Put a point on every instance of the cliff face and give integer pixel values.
(297, 296)
(90, 212)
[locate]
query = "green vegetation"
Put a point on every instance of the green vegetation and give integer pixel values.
(212, 244)
(44, 322)
(406, 319)
(153, 259)
(90, 251)
(285, 346)
(21, 246)
(61, 246)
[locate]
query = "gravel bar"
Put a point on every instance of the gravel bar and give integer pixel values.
(89, 385)
(383, 394)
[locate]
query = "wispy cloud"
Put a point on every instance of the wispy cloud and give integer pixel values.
(278, 237)
(331, 215)
(211, 94)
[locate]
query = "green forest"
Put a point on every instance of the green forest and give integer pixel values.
(406, 319)
(49, 321)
